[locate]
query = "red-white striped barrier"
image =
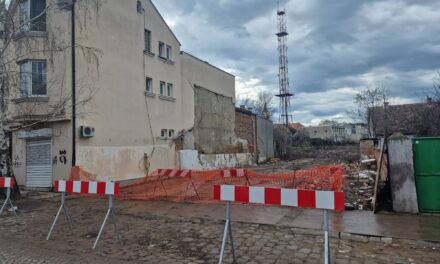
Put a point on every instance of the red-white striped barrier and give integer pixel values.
(85, 187)
(326, 200)
(233, 173)
(173, 173)
(280, 196)
(6, 182)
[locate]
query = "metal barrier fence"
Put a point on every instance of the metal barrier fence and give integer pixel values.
(8, 183)
(110, 189)
(326, 200)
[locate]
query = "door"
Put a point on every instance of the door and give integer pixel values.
(39, 163)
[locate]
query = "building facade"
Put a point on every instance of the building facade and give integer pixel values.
(335, 133)
(139, 98)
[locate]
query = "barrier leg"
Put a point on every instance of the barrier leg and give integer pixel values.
(227, 230)
(118, 235)
(195, 189)
(326, 239)
(8, 199)
(68, 217)
(109, 213)
(62, 209)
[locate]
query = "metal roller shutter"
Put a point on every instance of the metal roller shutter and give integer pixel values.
(39, 163)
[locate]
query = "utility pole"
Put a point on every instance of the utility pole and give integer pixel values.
(73, 42)
(283, 71)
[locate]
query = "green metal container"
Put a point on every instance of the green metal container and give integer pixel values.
(427, 173)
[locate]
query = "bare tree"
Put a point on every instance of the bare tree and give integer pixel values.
(430, 118)
(369, 104)
(261, 106)
(22, 107)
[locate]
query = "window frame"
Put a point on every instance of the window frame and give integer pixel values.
(163, 133)
(170, 92)
(149, 85)
(28, 91)
(29, 23)
(147, 44)
(162, 50)
(169, 52)
(162, 88)
(171, 133)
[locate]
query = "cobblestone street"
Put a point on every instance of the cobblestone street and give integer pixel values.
(158, 239)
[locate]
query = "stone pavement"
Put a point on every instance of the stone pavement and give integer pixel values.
(421, 227)
(173, 238)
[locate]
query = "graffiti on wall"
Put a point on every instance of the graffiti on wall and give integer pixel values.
(16, 161)
(61, 158)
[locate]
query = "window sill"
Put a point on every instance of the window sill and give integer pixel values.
(166, 60)
(31, 99)
(149, 53)
(167, 98)
(25, 34)
(149, 94)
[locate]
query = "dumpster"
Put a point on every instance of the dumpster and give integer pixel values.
(427, 173)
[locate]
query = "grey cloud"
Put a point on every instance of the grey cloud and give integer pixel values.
(332, 45)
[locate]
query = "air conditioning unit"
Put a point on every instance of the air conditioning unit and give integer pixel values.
(87, 132)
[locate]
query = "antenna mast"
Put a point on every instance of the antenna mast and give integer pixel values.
(283, 71)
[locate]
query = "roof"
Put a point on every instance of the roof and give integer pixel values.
(297, 125)
(244, 111)
(209, 64)
(408, 119)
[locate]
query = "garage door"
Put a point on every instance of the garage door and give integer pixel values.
(39, 163)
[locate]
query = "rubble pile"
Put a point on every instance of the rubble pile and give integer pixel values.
(360, 187)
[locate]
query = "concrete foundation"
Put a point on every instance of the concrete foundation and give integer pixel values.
(190, 159)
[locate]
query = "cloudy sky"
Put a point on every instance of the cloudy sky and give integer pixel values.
(335, 47)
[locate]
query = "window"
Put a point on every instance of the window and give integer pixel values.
(163, 133)
(149, 85)
(162, 88)
(33, 15)
(33, 78)
(171, 133)
(170, 90)
(161, 50)
(169, 52)
(139, 7)
(147, 39)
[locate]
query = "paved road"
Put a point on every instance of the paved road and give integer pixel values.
(155, 238)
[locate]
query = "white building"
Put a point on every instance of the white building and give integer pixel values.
(140, 99)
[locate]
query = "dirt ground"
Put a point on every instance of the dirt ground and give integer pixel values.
(150, 238)
(359, 185)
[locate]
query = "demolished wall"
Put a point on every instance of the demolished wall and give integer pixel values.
(214, 122)
(264, 139)
(192, 160)
(245, 130)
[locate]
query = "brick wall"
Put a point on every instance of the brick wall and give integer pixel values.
(244, 127)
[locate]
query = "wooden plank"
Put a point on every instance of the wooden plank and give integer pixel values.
(376, 182)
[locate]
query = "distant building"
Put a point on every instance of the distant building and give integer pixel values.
(355, 132)
(335, 133)
(297, 126)
(421, 119)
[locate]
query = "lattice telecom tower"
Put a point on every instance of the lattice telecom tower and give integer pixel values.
(283, 72)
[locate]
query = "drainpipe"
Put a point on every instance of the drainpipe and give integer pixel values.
(73, 85)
